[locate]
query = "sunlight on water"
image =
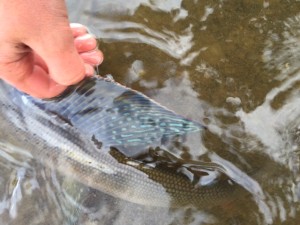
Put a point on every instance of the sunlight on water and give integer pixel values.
(230, 65)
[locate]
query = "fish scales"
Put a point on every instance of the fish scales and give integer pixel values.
(77, 133)
(67, 153)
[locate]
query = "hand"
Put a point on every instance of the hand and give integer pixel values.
(40, 53)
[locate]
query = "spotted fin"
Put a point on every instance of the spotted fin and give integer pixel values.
(115, 115)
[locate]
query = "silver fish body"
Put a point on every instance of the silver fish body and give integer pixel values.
(78, 133)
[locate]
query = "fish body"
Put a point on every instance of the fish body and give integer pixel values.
(79, 132)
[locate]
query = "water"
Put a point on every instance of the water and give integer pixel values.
(231, 65)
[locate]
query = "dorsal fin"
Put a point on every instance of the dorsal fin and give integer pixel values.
(116, 115)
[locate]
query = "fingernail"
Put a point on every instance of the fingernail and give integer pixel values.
(85, 37)
(76, 25)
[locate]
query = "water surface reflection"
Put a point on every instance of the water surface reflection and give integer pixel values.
(231, 65)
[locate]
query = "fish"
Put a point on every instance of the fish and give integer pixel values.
(83, 134)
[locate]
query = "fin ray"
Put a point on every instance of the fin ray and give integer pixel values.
(116, 115)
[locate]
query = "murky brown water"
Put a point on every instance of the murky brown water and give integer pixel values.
(231, 65)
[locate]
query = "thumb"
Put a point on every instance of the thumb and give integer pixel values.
(57, 49)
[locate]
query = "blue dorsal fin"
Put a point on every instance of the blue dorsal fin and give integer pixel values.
(115, 115)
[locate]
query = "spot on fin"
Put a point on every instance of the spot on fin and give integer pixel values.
(117, 116)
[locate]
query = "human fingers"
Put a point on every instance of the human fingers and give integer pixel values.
(59, 53)
(36, 82)
(85, 43)
(78, 29)
(89, 70)
(93, 58)
(87, 46)
(39, 57)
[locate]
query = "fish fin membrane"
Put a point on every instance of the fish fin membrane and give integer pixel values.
(116, 115)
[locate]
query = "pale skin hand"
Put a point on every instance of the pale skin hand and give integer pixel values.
(40, 54)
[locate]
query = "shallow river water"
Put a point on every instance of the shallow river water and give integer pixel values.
(233, 66)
